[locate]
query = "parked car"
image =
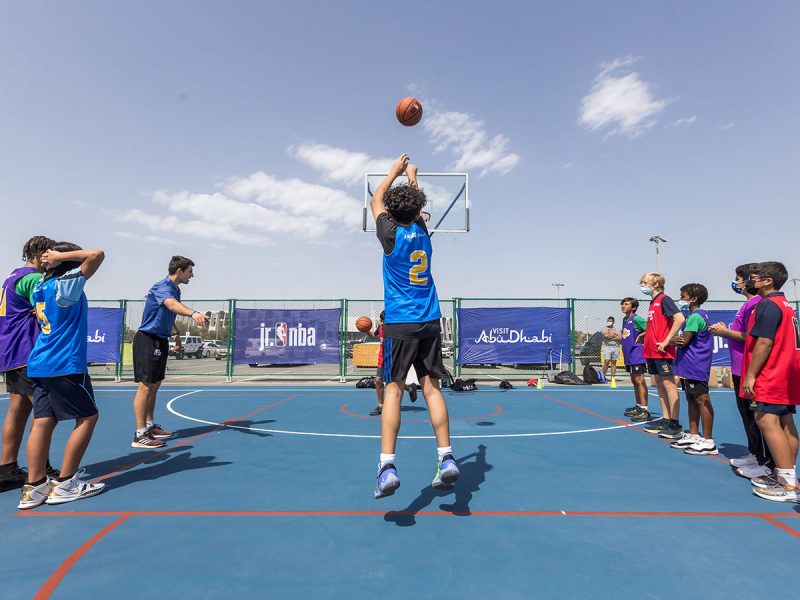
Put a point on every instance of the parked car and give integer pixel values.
(191, 345)
(211, 346)
(221, 352)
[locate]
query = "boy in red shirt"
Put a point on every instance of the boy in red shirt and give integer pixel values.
(771, 369)
(664, 320)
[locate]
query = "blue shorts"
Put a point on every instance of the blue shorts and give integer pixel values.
(779, 410)
(657, 366)
(65, 398)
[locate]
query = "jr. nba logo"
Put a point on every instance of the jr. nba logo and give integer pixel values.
(280, 334)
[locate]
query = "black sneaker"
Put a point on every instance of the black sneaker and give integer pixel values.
(412, 392)
(12, 477)
(631, 411)
(147, 441)
(656, 426)
(672, 431)
(641, 417)
(51, 471)
(376, 411)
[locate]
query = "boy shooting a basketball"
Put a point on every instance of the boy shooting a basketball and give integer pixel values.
(412, 331)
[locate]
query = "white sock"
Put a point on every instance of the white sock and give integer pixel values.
(788, 476)
(149, 424)
(642, 406)
(444, 451)
(141, 432)
(386, 458)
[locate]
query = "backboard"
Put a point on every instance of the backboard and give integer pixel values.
(448, 200)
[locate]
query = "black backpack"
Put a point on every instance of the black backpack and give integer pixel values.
(447, 380)
(464, 385)
(506, 385)
(568, 378)
(366, 382)
(590, 375)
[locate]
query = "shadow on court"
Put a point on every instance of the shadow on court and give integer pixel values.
(473, 474)
(732, 450)
(193, 431)
(413, 409)
(173, 464)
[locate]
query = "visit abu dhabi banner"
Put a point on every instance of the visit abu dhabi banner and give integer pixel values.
(104, 332)
(286, 337)
(513, 335)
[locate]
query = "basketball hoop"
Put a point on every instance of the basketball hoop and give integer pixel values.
(426, 216)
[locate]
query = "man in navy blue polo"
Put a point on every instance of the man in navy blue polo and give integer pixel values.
(151, 348)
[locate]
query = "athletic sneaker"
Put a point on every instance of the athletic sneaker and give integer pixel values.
(446, 472)
(33, 496)
(412, 392)
(72, 489)
(160, 434)
(765, 481)
(778, 493)
(756, 471)
(12, 477)
(641, 417)
(146, 441)
(702, 447)
(388, 482)
(656, 426)
(748, 460)
(632, 410)
(671, 432)
(686, 440)
(376, 411)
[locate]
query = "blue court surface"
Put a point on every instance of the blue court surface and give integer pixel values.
(267, 492)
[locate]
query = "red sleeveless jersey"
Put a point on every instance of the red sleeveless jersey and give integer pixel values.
(658, 327)
(779, 380)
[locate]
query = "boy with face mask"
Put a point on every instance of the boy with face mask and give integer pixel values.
(771, 369)
(758, 462)
(664, 320)
(610, 348)
(633, 328)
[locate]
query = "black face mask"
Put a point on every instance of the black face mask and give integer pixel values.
(750, 287)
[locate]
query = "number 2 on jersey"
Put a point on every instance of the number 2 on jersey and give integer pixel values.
(420, 258)
(43, 322)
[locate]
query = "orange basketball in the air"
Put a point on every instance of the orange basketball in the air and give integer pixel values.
(409, 111)
(363, 324)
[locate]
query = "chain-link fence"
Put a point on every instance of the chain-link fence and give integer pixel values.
(210, 351)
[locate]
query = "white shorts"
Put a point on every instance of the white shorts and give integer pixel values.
(610, 352)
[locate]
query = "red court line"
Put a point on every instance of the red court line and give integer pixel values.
(52, 582)
(187, 441)
(786, 528)
(352, 414)
(625, 423)
(373, 513)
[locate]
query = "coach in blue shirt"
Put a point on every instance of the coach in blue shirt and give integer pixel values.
(151, 348)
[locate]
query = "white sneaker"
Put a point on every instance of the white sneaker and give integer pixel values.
(686, 440)
(73, 488)
(702, 447)
(754, 472)
(749, 460)
(33, 496)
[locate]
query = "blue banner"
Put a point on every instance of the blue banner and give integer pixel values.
(286, 337)
(721, 356)
(507, 336)
(104, 335)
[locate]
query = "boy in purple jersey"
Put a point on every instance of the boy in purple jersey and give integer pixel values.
(633, 328)
(18, 332)
(693, 358)
(758, 462)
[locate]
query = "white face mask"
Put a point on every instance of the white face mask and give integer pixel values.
(646, 290)
(610, 324)
(683, 304)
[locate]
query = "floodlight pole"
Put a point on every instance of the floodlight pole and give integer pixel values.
(656, 239)
(558, 287)
(794, 281)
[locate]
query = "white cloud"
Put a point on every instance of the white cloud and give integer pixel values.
(619, 101)
(685, 121)
(465, 136)
(151, 239)
(727, 126)
(251, 210)
(339, 164)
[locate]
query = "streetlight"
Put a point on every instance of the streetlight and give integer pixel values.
(794, 281)
(558, 287)
(656, 239)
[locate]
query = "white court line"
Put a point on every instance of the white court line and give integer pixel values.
(402, 437)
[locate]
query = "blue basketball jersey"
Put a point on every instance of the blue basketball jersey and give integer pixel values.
(62, 311)
(409, 294)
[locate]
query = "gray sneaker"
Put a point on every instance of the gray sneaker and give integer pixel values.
(656, 426)
(672, 432)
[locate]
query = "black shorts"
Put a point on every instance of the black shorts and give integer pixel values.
(66, 397)
(779, 410)
(694, 387)
(424, 354)
(658, 366)
(18, 382)
(636, 369)
(149, 357)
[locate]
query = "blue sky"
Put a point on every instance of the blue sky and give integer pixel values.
(237, 134)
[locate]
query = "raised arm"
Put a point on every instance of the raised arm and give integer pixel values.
(90, 259)
(398, 166)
